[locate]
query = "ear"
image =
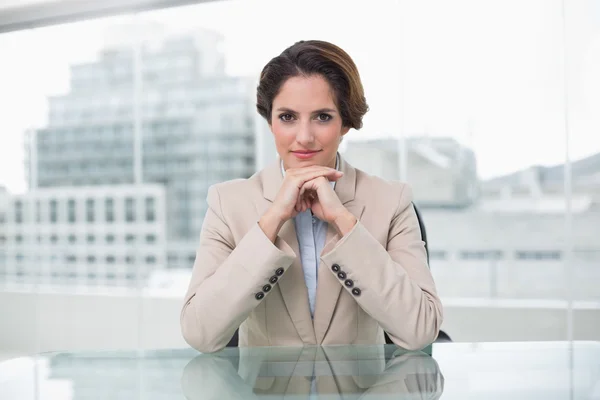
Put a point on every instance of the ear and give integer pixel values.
(345, 130)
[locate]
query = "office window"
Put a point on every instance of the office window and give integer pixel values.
(72, 211)
(53, 211)
(54, 239)
(538, 255)
(150, 213)
(110, 238)
(129, 238)
(38, 211)
(129, 259)
(72, 239)
(438, 254)
(2, 240)
(91, 259)
(89, 210)
(481, 255)
(18, 212)
(110, 259)
(19, 239)
(109, 210)
(130, 209)
(71, 259)
(150, 238)
(90, 238)
(150, 260)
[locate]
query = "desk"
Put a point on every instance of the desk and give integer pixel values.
(531, 370)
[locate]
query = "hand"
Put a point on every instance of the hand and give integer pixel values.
(318, 195)
(286, 204)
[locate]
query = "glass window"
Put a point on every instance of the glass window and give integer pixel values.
(129, 238)
(53, 211)
(19, 212)
(150, 260)
(72, 239)
(150, 238)
(72, 211)
(110, 238)
(109, 210)
(38, 211)
(90, 238)
(130, 209)
(89, 210)
(150, 213)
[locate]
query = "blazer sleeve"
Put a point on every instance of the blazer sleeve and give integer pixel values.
(395, 285)
(227, 277)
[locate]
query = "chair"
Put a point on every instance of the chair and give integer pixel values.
(442, 337)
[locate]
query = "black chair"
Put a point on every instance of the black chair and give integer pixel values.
(442, 337)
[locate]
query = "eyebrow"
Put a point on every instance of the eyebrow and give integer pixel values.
(321, 110)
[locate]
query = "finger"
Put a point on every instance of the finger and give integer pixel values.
(331, 174)
(302, 170)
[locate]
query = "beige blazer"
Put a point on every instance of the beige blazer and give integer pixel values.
(338, 371)
(242, 280)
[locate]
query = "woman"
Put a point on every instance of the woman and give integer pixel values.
(310, 250)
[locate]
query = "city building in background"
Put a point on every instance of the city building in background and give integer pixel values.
(508, 232)
(191, 126)
(85, 236)
(441, 171)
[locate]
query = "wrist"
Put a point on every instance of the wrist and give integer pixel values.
(344, 222)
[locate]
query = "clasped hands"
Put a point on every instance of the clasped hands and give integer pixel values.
(310, 187)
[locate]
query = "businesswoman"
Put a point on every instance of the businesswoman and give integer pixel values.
(309, 250)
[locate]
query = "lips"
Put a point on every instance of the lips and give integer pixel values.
(304, 154)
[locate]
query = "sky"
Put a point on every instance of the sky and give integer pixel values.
(492, 74)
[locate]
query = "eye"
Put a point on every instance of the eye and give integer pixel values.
(324, 117)
(286, 117)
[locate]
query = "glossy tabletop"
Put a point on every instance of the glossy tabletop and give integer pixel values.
(532, 370)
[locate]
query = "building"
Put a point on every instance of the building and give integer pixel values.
(195, 124)
(84, 236)
(441, 171)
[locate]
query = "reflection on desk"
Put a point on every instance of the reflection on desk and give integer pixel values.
(369, 372)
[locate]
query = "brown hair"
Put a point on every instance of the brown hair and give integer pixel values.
(315, 57)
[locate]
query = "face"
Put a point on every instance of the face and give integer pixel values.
(306, 123)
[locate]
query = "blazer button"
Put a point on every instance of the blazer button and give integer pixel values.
(279, 271)
(259, 296)
(356, 291)
(342, 275)
(349, 283)
(273, 279)
(266, 288)
(335, 268)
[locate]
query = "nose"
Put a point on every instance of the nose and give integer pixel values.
(304, 135)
